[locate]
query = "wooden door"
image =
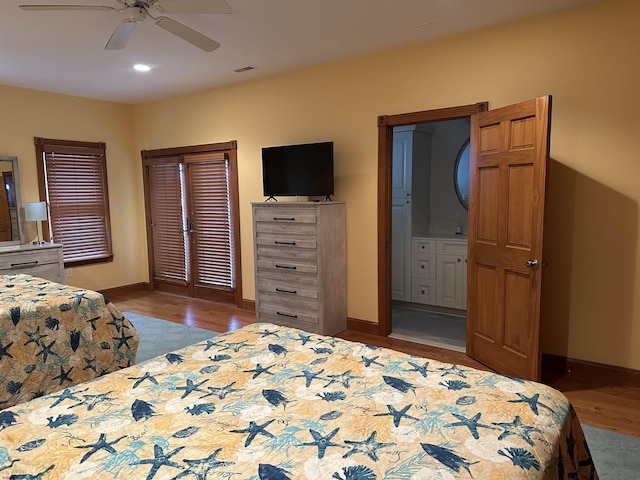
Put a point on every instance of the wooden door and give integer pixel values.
(210, 226)
(509, 157)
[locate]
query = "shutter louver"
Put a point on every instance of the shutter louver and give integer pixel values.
(211, 218)
(168, 230)
(77, 196)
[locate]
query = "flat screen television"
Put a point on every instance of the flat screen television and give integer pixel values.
(298, 170)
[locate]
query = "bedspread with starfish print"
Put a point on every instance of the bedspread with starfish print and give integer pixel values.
(53, 336)
(275, 403)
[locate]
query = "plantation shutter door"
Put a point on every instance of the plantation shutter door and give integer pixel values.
(210, 221)
(76, 191)
(168, 228)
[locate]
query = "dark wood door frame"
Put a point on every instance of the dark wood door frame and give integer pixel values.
(385, 150)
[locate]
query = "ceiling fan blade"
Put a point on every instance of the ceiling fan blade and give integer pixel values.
(194, 6)
(120, 36)
(32, 8)
(188, 34)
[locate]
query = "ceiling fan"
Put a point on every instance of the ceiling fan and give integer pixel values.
(137, 11)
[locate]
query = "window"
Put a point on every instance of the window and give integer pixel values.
(73, 181)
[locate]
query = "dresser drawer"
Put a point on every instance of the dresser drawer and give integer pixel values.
(289, 277)
(24, 260)
(306, 255)
(423, 265)
(288, 317)
(452, 247)
(285, 215)
(424, 291)
(286, 228)
(283, 240)
(286, 266)
(423, 245)
(285, 289)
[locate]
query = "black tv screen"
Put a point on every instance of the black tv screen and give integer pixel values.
(298, 170)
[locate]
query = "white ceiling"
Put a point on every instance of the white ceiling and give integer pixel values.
(63, 52)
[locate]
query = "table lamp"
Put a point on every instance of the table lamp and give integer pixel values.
(35, 212)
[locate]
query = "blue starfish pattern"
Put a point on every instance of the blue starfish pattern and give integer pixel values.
(191, 387)
(396, 414)
(254, 429)
(533, 402)
(310, 376)
(343, 378)
(322, 442)
(369, 447)
(222, 392)
(421, 369)
(146, 376)
(452, 370)
(371, 361)
(118, 323)
(519, 429)
(46, 351)
(200, 468)
(4, 350)
(101, 444)
(90, 401)
(64, 376)
(35, 337)
(160, 459)
(471, 423)
(65, 395)
(259, 370)
(123, 340)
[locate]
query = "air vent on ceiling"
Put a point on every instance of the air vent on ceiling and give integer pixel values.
(245, 69)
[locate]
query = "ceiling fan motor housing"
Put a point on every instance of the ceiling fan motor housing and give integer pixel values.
(135, 14)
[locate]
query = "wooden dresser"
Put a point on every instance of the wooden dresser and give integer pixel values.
(300, 265)
(43, 260)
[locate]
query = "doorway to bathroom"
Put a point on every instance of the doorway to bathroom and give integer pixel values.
(430, 187)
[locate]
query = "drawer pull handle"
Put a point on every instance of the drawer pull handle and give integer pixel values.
(422, 267)
(280, 314)
(283, 243)
(289, 267)
(284, 219)
(282, 290)
(25, 264)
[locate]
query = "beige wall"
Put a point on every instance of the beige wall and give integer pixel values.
(25, 114)
(585, 58)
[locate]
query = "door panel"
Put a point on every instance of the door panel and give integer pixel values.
(167, 234)
(509, 157)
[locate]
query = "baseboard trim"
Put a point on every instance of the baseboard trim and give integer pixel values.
(247, 304)
(134, 287)
(553, 366)
(362, 326)
(559, 366)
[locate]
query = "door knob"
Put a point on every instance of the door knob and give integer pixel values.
(533, 264)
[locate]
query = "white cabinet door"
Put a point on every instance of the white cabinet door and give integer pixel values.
(451, 279)
(401, 250)
(402, 164)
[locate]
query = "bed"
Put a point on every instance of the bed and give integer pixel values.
(275, 403)
(53, 336)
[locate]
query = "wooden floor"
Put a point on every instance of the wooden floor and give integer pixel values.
(608, 406)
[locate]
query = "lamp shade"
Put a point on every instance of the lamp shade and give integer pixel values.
(35, 211)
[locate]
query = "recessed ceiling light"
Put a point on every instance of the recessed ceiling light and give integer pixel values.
(142, 68)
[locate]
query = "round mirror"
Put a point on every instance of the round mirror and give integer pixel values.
(461, 174)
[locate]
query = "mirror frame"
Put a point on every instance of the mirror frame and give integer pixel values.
(19, 206)
(464, 203)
